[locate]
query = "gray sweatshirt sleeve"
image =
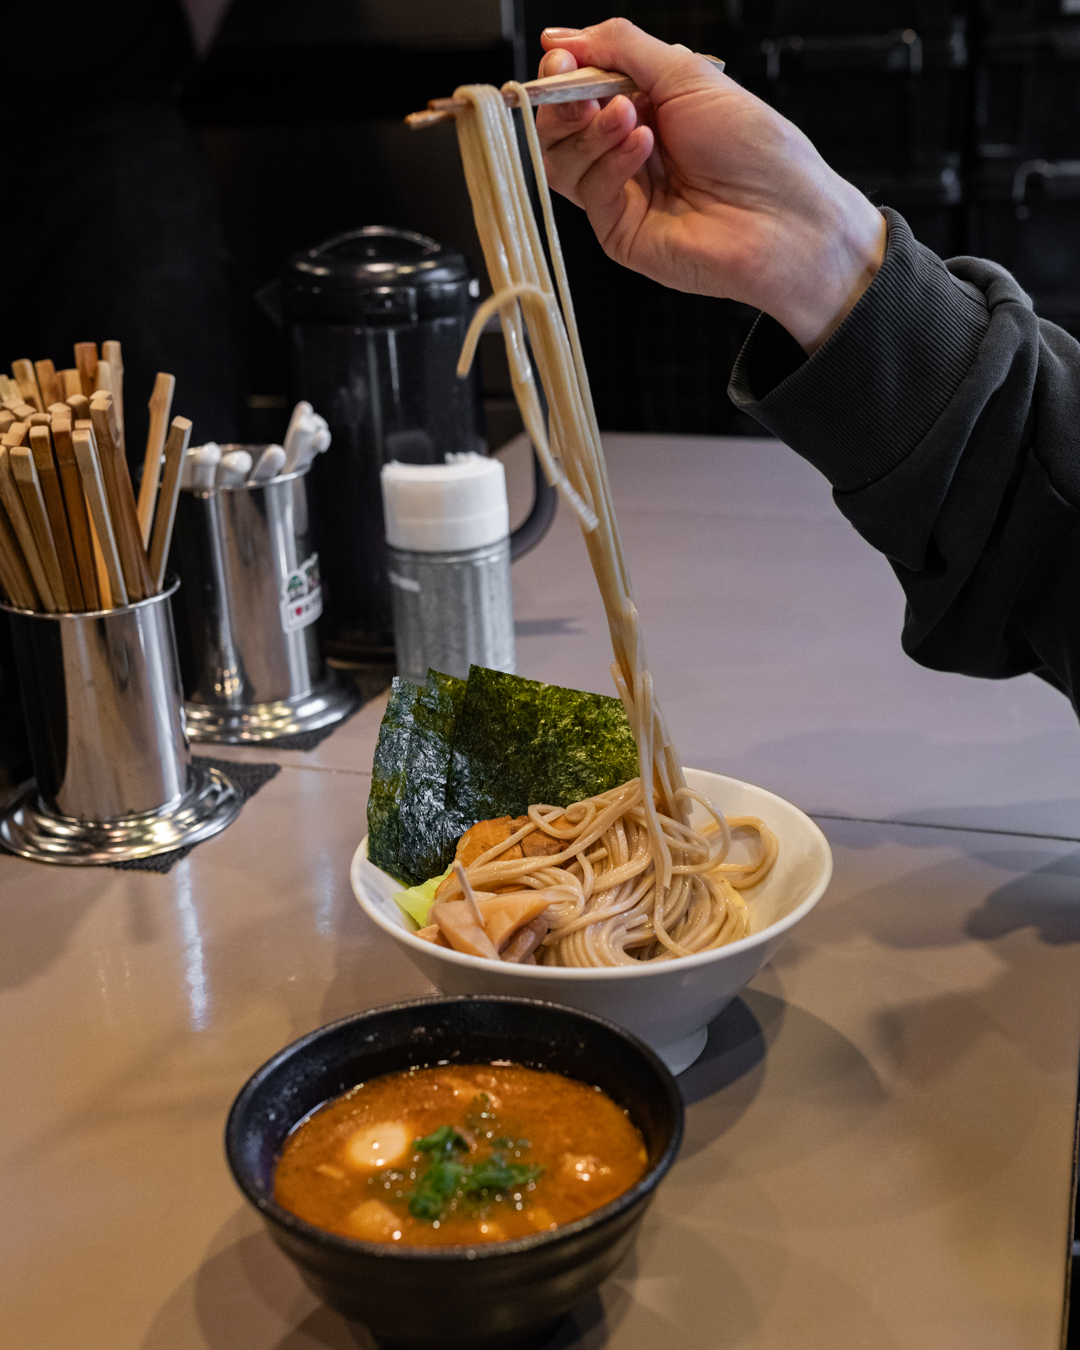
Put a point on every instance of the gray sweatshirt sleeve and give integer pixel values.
(947, 418)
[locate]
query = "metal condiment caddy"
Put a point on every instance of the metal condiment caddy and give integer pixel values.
(246, 613)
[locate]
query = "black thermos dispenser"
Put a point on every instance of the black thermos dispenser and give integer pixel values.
(374, 322)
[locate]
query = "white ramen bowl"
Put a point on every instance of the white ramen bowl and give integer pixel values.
(669, 1004)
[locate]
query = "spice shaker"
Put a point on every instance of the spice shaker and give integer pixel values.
(448, 562)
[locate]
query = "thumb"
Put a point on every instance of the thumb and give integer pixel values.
(659, 69)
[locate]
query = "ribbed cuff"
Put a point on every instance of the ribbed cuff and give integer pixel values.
(872, 391)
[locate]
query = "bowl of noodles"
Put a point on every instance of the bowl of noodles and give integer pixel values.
(669, 1002)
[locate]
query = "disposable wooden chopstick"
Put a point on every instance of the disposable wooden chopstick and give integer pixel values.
(86, 360)
(104, 382)
(86, 454)
(121, 499)
(103, 571)
(160, 407)
(14, 576)
(102, 398)
(53, 495)
(111, 354)
(78, 519)
(26, 480)
(13, 505)
(175, 450)
(52, 391)
(576, 85)
(28, 385)
(71, 534)
(108, 600)
(100, 570)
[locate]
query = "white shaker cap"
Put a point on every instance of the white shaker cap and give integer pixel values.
(445, 508)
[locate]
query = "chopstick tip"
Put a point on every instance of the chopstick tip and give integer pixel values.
(417, 121)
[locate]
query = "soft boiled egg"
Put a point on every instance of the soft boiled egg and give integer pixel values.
(374, 1222)
(380, 1145)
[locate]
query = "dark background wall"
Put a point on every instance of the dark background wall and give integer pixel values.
(962, 114)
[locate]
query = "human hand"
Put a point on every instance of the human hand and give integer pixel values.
(701, 186)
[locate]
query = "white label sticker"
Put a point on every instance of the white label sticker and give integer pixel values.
(301, 601)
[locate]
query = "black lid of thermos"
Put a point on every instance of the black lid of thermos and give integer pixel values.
(375, 276)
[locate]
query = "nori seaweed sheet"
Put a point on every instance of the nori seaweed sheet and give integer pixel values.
(426, 831)
(519, 742)
(388, 777)
(456, 752)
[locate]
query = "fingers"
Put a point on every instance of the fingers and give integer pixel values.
(571, 149)
(591, 166)
(556, 62)
(592, 153)
(557, 121)
(659, 70)
(613, 208)
(561, 63)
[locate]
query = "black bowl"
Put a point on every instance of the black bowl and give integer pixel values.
(454, 1298)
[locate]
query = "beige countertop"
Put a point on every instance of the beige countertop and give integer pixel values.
(879, 1149)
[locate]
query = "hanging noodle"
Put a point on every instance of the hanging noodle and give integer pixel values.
(634, 880)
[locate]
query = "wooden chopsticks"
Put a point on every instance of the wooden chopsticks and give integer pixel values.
(160, 406)
(72, 538)
(52, 390)
(86, 360)
(77, 514)
(26, 379)
(110, 355)
(175, 450)
(20, 524)
(14, 576)
(29, 485)
(576, 85)
(86, 456)
(41, 451)
(121, 498)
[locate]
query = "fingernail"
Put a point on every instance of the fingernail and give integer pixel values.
(556, 33)
(610, 117)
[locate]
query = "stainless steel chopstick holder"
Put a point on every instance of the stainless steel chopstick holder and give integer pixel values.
(246, 614)
(114, 777)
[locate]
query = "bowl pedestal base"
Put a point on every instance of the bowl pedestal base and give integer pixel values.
(679, 1055)
(527, 1340)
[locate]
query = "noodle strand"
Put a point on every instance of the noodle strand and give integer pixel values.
(633, 879)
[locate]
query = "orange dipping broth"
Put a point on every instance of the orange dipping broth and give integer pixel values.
(526, 1150)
